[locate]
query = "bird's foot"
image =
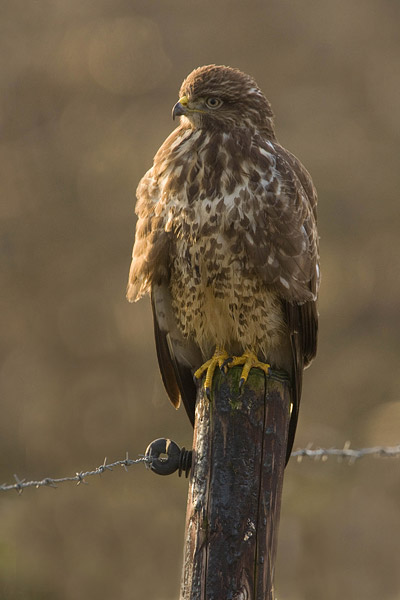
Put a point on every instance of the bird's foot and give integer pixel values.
(219, 359)
(249, 361)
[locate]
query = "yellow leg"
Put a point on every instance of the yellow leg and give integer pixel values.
(219, 359)
(249, 361)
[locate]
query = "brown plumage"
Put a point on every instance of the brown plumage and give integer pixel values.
(226, 239)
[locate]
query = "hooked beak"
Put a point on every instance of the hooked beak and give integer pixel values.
(180, 107)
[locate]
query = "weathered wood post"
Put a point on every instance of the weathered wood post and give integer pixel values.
(235, 488)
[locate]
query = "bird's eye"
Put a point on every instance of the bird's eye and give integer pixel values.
(213, 102)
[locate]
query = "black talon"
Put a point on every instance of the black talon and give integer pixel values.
(241, 382)
(225, 364)
(208, 393)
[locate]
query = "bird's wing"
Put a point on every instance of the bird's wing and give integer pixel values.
(150, 272)
(302, 318)
(302, 323)
(283, 248)
(177, 356)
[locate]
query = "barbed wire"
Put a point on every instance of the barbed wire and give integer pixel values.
(79, 478)
(350, 454)
(346, 452)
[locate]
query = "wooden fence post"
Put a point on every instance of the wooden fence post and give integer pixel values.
(235, 488)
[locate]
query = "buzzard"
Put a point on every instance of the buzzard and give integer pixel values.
(226, 242)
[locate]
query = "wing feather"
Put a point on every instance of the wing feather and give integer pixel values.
(285, 252)
(177, 358)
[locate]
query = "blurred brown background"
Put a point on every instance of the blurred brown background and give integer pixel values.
(86, 93)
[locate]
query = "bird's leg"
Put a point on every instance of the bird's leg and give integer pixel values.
(219, 359)
(249, 361)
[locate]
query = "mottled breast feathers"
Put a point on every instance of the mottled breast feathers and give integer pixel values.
(266, 206)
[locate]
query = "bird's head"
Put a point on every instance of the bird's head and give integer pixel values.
(219, 97)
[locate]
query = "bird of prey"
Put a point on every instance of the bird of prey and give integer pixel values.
(226, 242)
